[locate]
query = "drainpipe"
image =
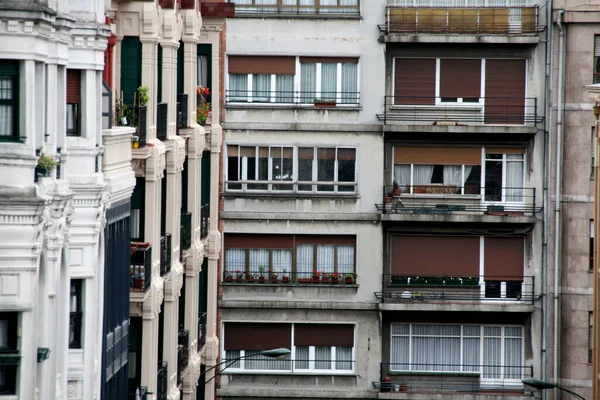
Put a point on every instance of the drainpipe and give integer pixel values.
(558, 193)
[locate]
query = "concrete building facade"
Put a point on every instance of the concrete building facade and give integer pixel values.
(384, 206)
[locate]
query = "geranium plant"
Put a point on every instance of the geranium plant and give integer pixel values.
(47, 162)
(204, 105)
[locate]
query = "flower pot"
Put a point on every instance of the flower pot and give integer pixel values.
(138, 283)
(325, 280)
(228, 278)
(261, 279)
(285, 279)
(135, 145)
(335, 281)
(239, 279)
(397, 192)
(274, 280)
(250, 280)
(306, 280)
(349, 281)
(403, 387)
(315, 279)
(324, 104)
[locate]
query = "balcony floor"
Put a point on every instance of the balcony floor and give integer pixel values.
(458, 218)
(525, 39)
(464, 306)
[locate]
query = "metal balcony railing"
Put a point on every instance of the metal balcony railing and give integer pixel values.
(446, 289)
(201, 331)
(162, 381)
(132, 393)
(446, 377)
(266, 275)
(140, 269)
(182, 111)
(204, 220)
(141, 114)
(442, 199)
(290, 8)
(162, 121)
(186, 231)
(509, 20)
(75, 326)
(445, 111)
(183, 353)
(282, 97)
(165, 254)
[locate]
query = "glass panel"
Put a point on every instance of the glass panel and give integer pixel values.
(6, 88)
(282, 166)
(343, 358)
(325, 168)
(282, 262)
(346, 168)
(400, 353)
(301, 361)
(232, 355)
(325, 258)
(512, 358)
(304, 260)
(3, 333)
(259, 261)
(284, 87)
(493, 179)
(238, 87)
(471, 353)
(308, 82)
(328, 81)
(491, 357)
(264, 363)
(235, 260)
(402, 177)
(305, 167)
(349, 83)
(72, 117)
(345, 259)
(261, 88)
(322, 357)
(514, 177)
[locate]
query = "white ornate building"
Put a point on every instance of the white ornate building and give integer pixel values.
(53, 222)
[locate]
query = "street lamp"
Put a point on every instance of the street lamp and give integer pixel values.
(543, 385)
(273, 353)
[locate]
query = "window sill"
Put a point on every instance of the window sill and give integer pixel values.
(305, 107)
(12, 139)
(270, 195)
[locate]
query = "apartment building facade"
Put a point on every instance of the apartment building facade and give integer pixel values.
(383, 212)
(63, 176)
(165, 56)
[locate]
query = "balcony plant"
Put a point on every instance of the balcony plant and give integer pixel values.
(228, 277)
(323, 103)
(204, 105)
(397, 191)
(273, 276)
(350, 278)
(324, 277)
(285, 278)
(316, 276)
(46, 164)
(249, 277)
(335, 278)
(239, 275)
(399, 280)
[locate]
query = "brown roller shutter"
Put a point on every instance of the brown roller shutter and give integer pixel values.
(306, 153)
(232, 150)
(252, 241)
(437, 155)
(261, 65)
(346, 154)
(414, 81)
(435, 255)
(504, 258)
(352, 60)
(326, 239)
(504, 91)
(257, 336)
(460, 78)
(326, 154)
(324, 335)
(504, 150)
(73, 86)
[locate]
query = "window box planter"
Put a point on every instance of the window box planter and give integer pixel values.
(324, 103)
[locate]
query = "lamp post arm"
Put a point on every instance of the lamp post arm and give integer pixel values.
(570, 392)
(227, 366)
(228, 361)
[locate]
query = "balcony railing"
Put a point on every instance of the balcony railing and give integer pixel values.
(444, 288)
(162, 381)
(421, 110)
(204, 220)
(288, 277)
(201, 331)
(441, 199)
(290, 8)
(282, 97)
(186, 231)
(162, 120)
(75, 325)
(165, 254)
(463, 378)
(182, 111)
(291, 186)
(140, 270)
(405, 18)
(183, 353)
(132, 393)
(141, 127)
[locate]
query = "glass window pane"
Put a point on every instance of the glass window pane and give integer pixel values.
(343, 358)
(261, 88)
(304, 260)
(301, 358)
(282, 166)
(493, 180)
(322, 357)
(308, 82)
(232, 355)
(349, 83)
(259, 261)
(325, 258)
(325, 168)
(6, 88)
(345, 259)
(282, 262)
(328, 81)
(284, 87)
(400, 351)
(6, 120)
(305, 167)
(235, 260)
(346, 168)
(238, 87)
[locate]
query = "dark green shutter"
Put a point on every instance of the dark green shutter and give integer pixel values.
(9, 68)
(159, 83)
(205, 178)
(180, 68)
(131, 67)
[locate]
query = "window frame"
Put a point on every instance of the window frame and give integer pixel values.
(592, 244)
(76, 317)
(596, 65)
(294, 183)
(74, 107)
(10, 371)
(13, 103)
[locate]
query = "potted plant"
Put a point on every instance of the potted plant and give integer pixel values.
(335, 278)
(204, 105)
(324, 277)
(249, 277)
(285, 278)
(46, 164)
(228, 277)
(323, 103)
(397, 191)
(135, 142)
(316, 276)
(261, 273)
(239, 275)
(142, 95)
(273, 276)
(349, 279)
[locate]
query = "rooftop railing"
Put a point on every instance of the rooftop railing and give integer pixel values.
(291, 8)
(446, 111)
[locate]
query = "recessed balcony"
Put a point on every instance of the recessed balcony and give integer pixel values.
(140, 270)
(298, 8)
(165, 254)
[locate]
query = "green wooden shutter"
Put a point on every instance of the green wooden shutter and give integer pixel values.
(159, 75)
(205, 178)
(131, 67)
(180, 68)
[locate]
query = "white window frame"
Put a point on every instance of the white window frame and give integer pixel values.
(294, 183)
(504, 165)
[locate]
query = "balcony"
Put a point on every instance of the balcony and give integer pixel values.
(298, 8)
(410, 110)
(165, 254)
(137, 393)
(140, 269)
(186, 231)
(183, 354)
(504, 23)
(162, 122)
(162, 381)
(182, 111)
(410, 289)
(286, 277)
(452, 200)
(201, 331)
(273, 98)
(204, 220)
(439, 378)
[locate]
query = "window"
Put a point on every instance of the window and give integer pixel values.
(9, 99)
(591, 246)
(291, 256)
(76, 314)
(591, 337)
(496, 352)
(503, 179)
(73, 102)
(593, 146)
(596, 58)
(294, 8)
(316, 348)
(291, 169)
(277, 80)
(9, 353)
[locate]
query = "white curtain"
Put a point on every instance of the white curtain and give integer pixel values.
(304, 260)
(301, 357)
(6, 111)
(345, 259)
(238, 87)
(235, 260)
(325, 258)
(329, 81)
(436, 347)
(282, 262)
(308, 82)
(267, 3)
(261, 88)
(492, 356)
(343, 358)
(513, 344)
(232, 355)
(471, 348)
(422, 174)
(202, 70)
(259, 258)
(305, 9)
(134, 223)
(350, 83)
(264, 363)
(453, 175)
(468, 169)
(514, 177)
(402, 176)
(284, 88)
(322, 357)
(400, 347)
